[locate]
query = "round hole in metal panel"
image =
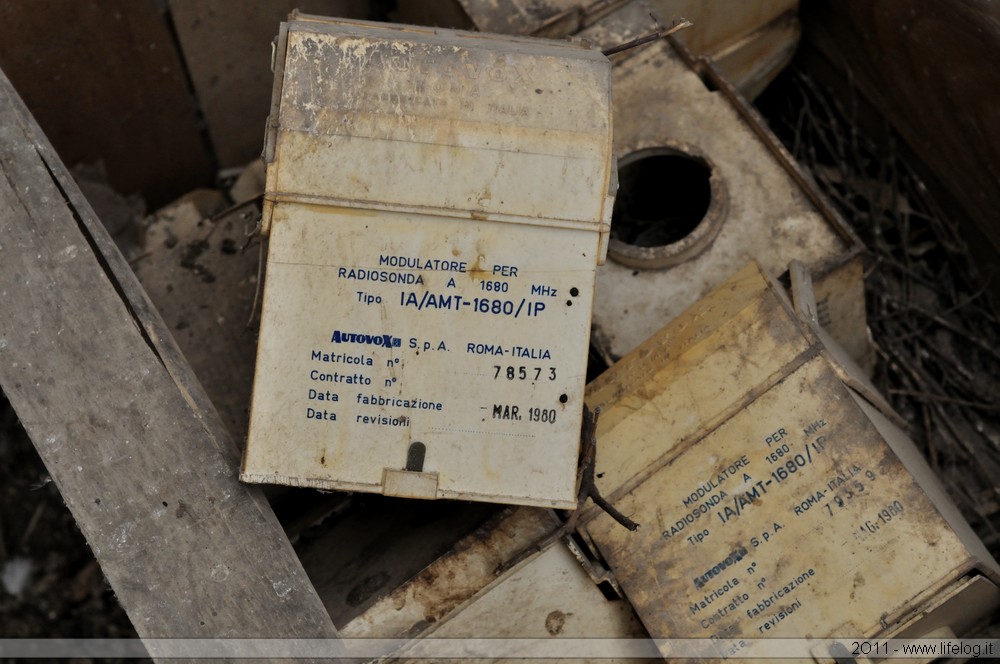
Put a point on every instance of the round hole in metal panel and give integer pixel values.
(669, 208)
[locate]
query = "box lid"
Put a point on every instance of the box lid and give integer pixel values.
(513, 129)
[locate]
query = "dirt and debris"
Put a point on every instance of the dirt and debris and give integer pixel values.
(119, 214)
(934, 326)
(195, 248)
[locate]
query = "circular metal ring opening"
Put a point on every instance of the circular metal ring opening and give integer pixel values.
(669, 208)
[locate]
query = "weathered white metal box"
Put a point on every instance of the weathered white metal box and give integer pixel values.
(437, 204)
(775, 499)
(507, 584)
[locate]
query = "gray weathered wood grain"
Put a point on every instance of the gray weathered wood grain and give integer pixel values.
(125, 429)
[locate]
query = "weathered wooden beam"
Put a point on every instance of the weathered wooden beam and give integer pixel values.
(123, 425)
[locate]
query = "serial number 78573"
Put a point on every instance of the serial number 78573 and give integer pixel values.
(523, 373)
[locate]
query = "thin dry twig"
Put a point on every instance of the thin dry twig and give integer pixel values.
(657, 34)
(3, 546)
(32, 524)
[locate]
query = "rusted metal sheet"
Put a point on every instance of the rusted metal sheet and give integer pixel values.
(375, 545)
(547, 595)
(437, 204)
(774, 501)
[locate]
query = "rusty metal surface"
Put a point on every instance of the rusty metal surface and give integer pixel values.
(358, 557)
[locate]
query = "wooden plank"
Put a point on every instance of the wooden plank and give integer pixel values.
(227, 48)
(105, 82)
(929, 69)
(124, 428)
